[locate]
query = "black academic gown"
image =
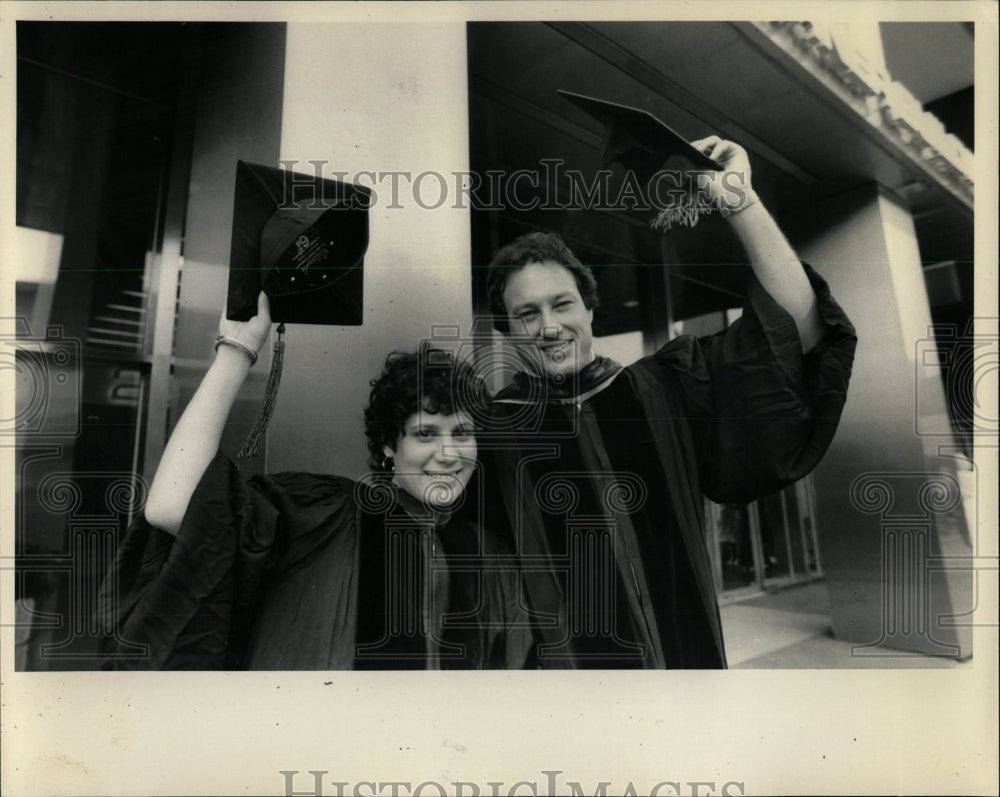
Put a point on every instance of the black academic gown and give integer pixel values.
(603, 480)
(301, 571)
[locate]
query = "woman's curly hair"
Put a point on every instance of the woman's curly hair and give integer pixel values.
(432, 380)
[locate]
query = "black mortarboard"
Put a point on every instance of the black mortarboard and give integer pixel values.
(301, 239)
(637, 139)
(644, 145)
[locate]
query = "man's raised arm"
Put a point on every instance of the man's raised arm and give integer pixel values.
(772, 258)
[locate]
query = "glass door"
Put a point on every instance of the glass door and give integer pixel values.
(771, 542)
(95, 129)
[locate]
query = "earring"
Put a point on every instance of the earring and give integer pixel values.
(389, 465)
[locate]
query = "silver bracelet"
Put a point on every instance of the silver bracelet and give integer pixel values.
(236, 343)
(750, 198)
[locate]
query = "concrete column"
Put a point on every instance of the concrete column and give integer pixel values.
(237, 117)
(890, 515)
(378, 99)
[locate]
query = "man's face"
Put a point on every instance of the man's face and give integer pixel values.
(543, 302)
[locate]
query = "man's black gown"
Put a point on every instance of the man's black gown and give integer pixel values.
(602, 478)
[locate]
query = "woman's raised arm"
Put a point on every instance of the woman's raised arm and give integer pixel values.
(195, 440)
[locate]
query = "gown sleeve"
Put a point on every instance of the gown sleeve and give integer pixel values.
(761, 413)
(188, 601)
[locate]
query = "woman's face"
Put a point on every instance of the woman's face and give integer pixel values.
(434, 457)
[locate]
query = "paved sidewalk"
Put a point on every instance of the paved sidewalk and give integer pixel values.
(790, 629)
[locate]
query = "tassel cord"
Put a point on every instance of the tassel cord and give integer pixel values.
(252, 444)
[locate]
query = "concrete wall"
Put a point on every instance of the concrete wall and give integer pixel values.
(886, 501)
(374, 98)
(237, 117)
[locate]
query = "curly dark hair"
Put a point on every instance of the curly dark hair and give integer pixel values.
(431, 379)
(535, 247)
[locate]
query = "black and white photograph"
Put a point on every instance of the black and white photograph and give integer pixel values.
(646, 358)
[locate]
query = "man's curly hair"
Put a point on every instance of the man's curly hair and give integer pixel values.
(432, 380)
(535, 247)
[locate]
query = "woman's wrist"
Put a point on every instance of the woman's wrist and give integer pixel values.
(230, 342)
(232, 357)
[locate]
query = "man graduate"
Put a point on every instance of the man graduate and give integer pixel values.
(604, 487)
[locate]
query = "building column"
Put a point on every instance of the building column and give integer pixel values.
(386, 107)
(890, 517)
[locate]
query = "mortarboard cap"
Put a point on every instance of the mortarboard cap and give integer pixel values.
(301, 239)
(644, 145)
(637, 139)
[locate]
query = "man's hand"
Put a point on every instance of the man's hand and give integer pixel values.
(773, 260)
(730, 187)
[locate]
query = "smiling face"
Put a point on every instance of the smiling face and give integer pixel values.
(434, 457)
(544, 302)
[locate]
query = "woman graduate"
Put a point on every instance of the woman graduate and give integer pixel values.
(305, 571)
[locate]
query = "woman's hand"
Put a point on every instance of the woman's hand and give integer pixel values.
(730, 187)
(254, 332)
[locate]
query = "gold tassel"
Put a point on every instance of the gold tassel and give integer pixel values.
(685, 215)
(252, 443)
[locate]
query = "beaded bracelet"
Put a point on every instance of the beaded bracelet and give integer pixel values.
(236, 343)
